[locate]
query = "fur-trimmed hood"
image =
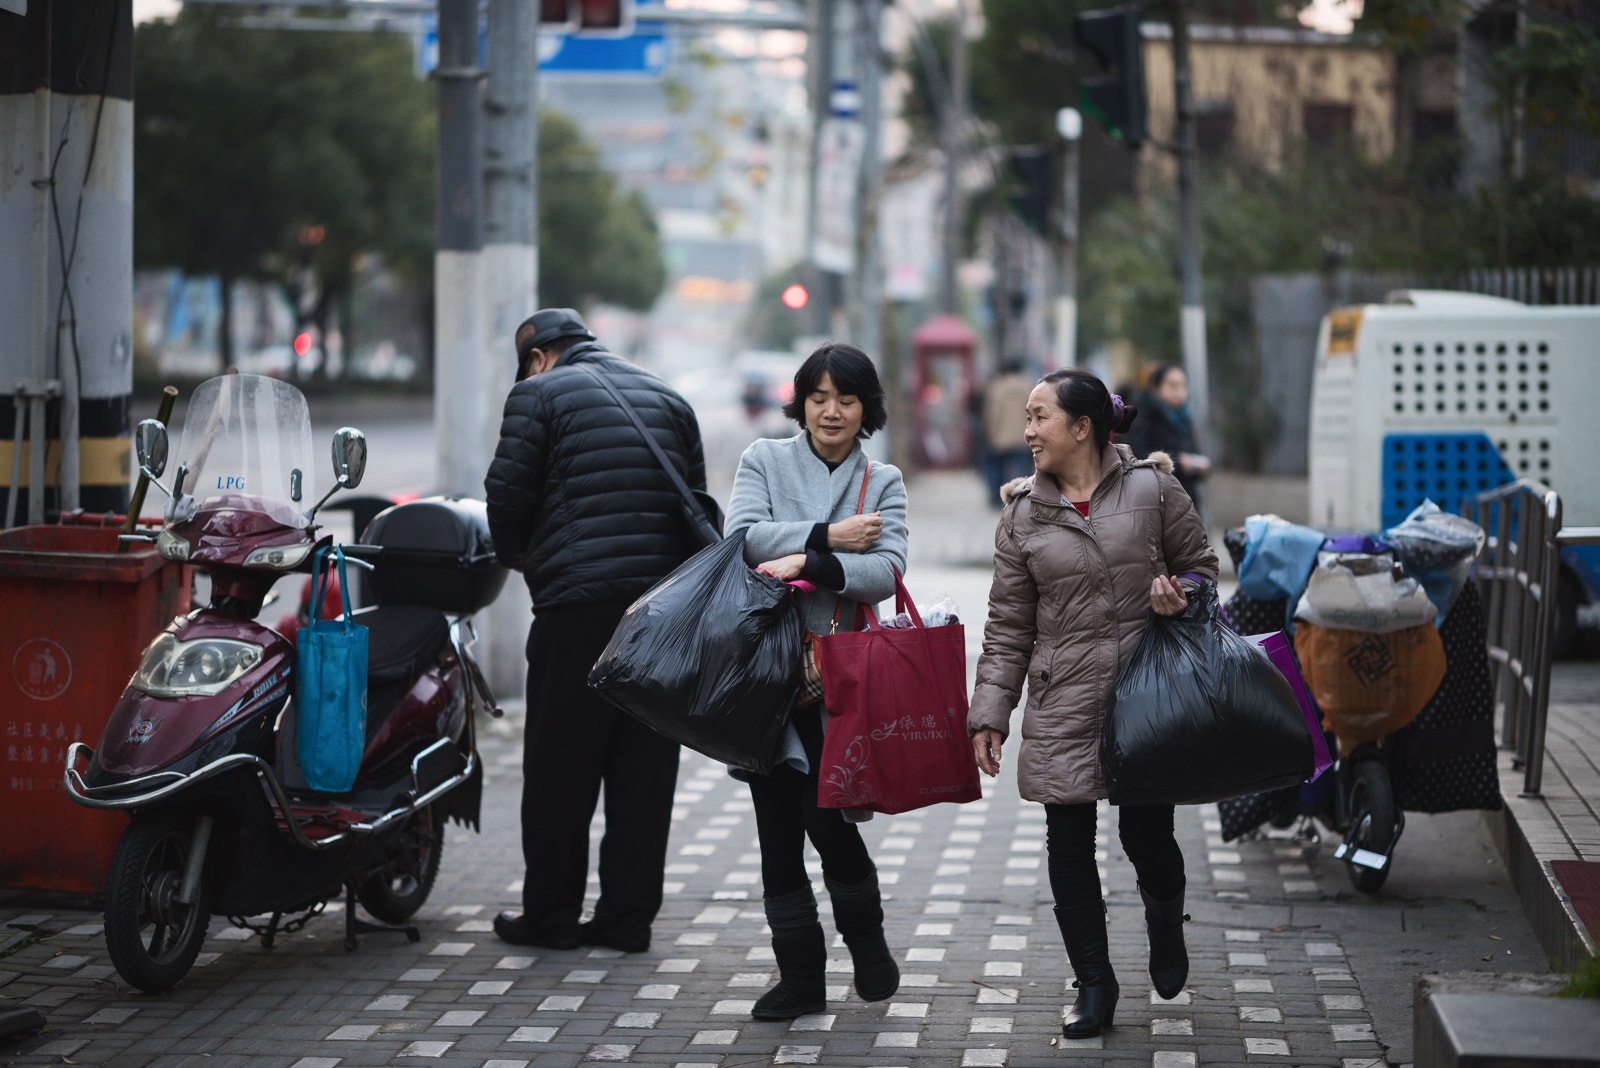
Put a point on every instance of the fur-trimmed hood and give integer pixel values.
(1021, 487)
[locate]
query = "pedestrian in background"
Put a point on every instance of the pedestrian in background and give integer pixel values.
(801, 506)
(1005, 456)
(1083, 549)
(579, 504)
(1166, 426)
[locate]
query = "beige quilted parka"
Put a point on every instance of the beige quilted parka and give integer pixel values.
(1068, 605)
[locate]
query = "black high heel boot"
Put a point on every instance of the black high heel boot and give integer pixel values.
(802, 954)
(1169, 957)
(858, 913)
(1083, 929)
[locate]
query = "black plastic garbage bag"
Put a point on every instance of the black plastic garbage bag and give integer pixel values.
(709, 657)
(1200, 714)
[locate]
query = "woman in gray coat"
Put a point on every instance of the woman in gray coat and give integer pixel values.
(801, 506)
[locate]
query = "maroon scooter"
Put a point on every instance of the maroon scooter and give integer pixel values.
(200, 750)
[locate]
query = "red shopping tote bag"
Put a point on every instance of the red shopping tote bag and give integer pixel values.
(896, 699)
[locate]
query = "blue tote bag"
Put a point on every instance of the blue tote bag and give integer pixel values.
(332, 728)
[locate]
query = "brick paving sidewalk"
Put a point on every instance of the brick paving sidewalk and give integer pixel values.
(968, 916)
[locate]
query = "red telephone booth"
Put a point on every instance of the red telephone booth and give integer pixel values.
(944, 384)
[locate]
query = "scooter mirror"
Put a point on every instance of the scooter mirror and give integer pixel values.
(349, 456)
(150, 442)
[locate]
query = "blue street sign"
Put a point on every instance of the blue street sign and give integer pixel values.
(643, 52)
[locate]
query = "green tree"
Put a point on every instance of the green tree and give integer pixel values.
(597, 241)
(276, 154)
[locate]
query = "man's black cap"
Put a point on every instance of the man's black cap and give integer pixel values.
(549, 324)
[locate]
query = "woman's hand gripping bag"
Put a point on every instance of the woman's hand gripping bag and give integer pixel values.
(1200, 714)
(896, 698)
(708, 657)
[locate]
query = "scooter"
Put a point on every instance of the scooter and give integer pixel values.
(1356, 801)
(200, 749)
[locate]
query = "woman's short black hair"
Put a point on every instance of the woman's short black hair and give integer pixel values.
(853, 376)
(1080, 394)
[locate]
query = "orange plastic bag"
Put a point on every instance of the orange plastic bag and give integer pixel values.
(1369, 685)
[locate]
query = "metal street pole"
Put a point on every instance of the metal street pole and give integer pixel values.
(1069, 124)
(458, 402)
(1193, 313)
(955, 121)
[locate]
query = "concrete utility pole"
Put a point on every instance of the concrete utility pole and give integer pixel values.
(819, 58)
(510, 273)
(955, 125)
(1193, 312)
(66, 87)
(1069, 124)
(866, 297)
(460, 387)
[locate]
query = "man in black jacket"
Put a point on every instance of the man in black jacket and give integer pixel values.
(579, 504)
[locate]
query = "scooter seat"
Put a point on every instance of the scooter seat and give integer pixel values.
(401, 640)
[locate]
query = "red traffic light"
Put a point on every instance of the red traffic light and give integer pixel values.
(795, 297)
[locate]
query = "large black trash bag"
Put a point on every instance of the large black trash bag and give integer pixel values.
(710, 658)
(1200, 714)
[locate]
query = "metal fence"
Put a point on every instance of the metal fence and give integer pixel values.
(1519, 572)
(1534, 285)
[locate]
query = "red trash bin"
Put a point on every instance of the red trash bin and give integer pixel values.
(74, 616)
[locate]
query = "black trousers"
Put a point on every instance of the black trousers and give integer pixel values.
(574, 742)
(787, 814)
(1147, 838)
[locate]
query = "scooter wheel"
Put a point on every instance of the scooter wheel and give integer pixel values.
(1372, 811)
(152, 937)
(397, 888)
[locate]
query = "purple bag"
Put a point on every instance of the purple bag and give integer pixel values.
(1281, 653)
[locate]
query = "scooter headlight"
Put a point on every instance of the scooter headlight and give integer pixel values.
(190, 669)
(278, 556)
(172, 547)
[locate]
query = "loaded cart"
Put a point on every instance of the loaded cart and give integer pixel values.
(1426, 743)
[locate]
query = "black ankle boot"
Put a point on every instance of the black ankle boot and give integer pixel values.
(858, 913)
(1169, 957)
(1083, 929)
(802, 955)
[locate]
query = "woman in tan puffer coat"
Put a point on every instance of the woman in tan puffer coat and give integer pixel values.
(1083, 549)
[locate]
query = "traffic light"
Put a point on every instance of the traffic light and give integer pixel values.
(1032, 183)
(609, 18)
(559, 15)
(1117, 97)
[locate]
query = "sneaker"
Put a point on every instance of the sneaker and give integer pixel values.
(590, 935)
(510, 927)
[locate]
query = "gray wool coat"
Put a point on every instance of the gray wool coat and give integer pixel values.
(783, 489)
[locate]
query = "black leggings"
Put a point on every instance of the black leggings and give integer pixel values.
(1147, 838)
(787, 814)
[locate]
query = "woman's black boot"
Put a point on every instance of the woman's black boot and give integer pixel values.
(802, 955)
(1169, 957)
(858, 913)
(1083, 929)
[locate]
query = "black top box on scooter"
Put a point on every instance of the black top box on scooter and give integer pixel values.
(436, 553)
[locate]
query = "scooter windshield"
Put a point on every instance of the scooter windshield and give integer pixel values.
(249, 436)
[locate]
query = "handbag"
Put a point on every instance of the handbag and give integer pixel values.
(331, 668)
(1200, 714)
(700, 510)
(896, 736)
(810, 675)
(706, 658)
